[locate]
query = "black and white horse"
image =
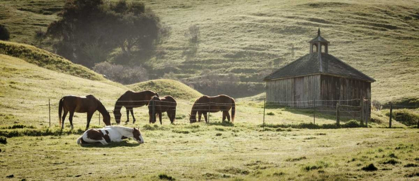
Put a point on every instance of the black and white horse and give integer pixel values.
(110, 134)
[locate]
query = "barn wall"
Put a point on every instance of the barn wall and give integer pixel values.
(338, 88)
(294, 92)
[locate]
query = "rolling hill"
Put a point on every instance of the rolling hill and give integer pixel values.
(31, 77)
(251, 38)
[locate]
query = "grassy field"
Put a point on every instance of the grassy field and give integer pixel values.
(250, 38)
(377, 38)
(215, 152)
(283, 150)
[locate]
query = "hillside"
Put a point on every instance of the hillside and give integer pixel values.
(167, 87)
(26, 89)
(48, 60)
(252, 38)
(30, 77)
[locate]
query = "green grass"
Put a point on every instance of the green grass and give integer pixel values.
(239, 153)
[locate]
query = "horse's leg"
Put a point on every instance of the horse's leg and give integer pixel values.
(172, 115)
(228, 116)
(132, 114)
(199, 116)
(205, 116)
(89, 117)
(127, 115)
(224, 115)
(64, 115)
(71, 119)
(160, 113)
(103, 141)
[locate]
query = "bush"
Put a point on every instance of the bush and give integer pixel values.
(122, 74)
(376, 104)
(3, 140)
(4, 33)
(405, 117)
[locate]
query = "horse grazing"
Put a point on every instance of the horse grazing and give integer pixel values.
(206, 104)
(158, 106)
(130, 100)
(110, 134)
(87, 104)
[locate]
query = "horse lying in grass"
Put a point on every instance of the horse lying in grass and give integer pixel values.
(206, 104)
(110, 134)
(130, 100)
(158, 106)
(78, 104)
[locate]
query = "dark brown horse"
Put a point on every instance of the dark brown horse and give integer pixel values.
(129, 100)
(87, 104)
(158, 106)
(206, 104)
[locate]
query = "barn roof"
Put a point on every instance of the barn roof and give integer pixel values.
(310, 65)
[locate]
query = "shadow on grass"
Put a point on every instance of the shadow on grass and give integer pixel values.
(110, 145)
(320, 112)
(223, 123)
(350, 124)
(39, 132)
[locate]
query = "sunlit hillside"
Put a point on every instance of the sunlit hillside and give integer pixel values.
(36, 78)
(250, 38)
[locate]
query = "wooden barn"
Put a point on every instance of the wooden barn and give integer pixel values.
(319, 79)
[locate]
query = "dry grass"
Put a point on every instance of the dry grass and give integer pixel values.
(245, 37)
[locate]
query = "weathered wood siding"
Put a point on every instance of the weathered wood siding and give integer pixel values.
(294, 92)
(338, 88)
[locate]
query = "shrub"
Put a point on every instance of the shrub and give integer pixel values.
(370, 167)
(3, 140)
(122, 74)
(166, 177)
(376, 104)
(405, 117)
(4, 33)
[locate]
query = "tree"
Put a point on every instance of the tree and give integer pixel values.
(89, 30)
(4, 33)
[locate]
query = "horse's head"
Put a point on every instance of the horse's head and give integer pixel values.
(117, 115)
(137, 136)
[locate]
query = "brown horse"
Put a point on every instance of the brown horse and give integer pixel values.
(87, 104)
(130, 100)
(206, 104)
(158, 106)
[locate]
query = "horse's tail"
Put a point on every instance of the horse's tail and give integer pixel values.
(233, 110)
(60, 109)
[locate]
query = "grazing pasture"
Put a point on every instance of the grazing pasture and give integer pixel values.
(216, 151)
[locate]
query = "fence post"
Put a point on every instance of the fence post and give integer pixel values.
(314, 112)
(264, 107)
(391, 114)
(366, 111)
(337, 115)
(49, 111)
(362, 112)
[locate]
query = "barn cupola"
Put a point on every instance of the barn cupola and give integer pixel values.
(319, 44)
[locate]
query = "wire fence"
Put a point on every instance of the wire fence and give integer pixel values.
(351, 109)
(342, 109)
